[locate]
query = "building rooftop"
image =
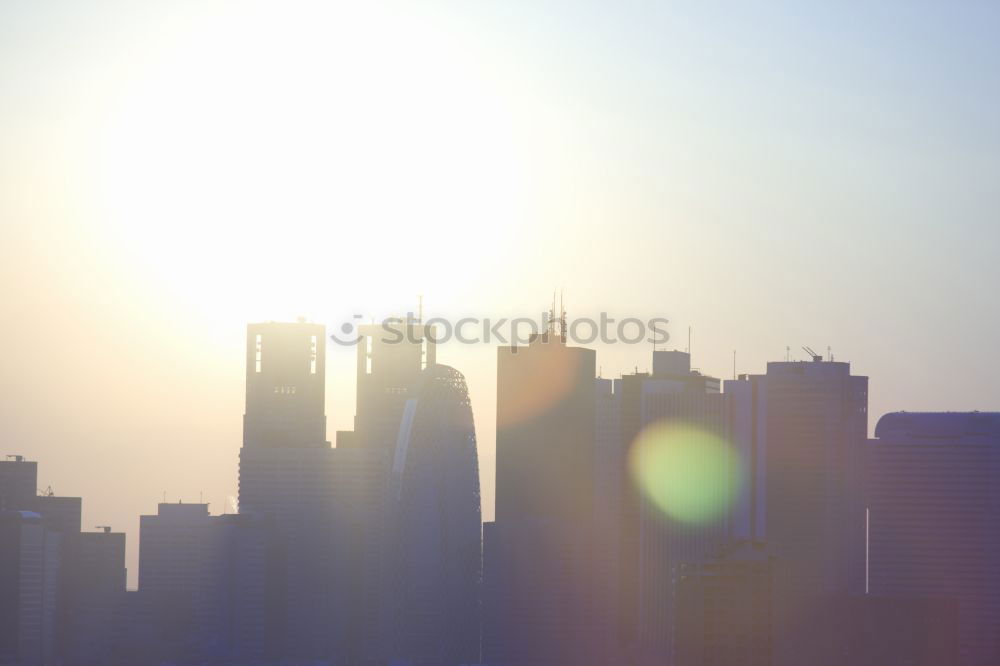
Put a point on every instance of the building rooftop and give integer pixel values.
(931, 426)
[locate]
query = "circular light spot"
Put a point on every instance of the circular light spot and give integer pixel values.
(685, 471)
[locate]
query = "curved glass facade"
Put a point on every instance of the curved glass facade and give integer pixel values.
(435, 527)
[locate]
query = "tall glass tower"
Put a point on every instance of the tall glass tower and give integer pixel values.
(435, 540)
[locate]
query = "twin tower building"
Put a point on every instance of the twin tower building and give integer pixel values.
(374, 548)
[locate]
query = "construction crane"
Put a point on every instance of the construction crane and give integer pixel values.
(815, 357)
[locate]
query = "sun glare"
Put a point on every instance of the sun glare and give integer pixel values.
(261, 168)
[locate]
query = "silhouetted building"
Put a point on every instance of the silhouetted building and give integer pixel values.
(232, 616)
(29, 579)
(725, 608)
(804, 429)
(390, 359)
(97, 589)
(59, 515)
(202, 583)
(174, 553)
(610, 479)
(934, 512)
(18, 483)
(435, 538)
(665, 541)
(544, 542)
(873, 630)
(286, 478)
(671, 374)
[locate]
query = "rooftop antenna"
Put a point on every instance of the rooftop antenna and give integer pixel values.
(788, 353)
(829, 353)
(734, 364)
(689, 341)
(562, 316)
(552, 314)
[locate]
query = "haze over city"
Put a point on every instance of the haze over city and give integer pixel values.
(765, 176)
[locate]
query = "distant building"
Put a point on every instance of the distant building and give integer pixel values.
(435, 536)
(391, 358)
(933, 516)
(202, 583)
(875, 630)
(543, 540)
(29, 579)
(665, 542)
(286, 479)
(97, 590)
(610, 481)
(725, 608)
(801, 429)
(671, 374)
(18, 483)
(60, 516)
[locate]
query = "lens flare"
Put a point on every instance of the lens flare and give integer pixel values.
(687, 472)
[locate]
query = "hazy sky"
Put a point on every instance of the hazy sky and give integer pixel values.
(770, 174)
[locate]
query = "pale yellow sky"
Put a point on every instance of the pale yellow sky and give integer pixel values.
(170, 172)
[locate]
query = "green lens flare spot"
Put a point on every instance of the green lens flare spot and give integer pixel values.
(686, 472)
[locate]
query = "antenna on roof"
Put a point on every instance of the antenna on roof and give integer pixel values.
(552, 314)
(562, 317)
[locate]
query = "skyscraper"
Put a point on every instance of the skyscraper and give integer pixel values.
(287, 479)
(543, 537)
(97, 592)
(671, 374)
(435, 528)
(29, 578)
(933, 517)
(801, 428)
(60, 516)
(665, 541)
(725, 608)
(18, 483)
(202, 579)
(390, 360)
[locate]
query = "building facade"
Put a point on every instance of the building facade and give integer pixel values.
(933, 515)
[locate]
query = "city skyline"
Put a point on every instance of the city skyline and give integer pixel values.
(210, 210)
(373, 551)
(769, 177)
